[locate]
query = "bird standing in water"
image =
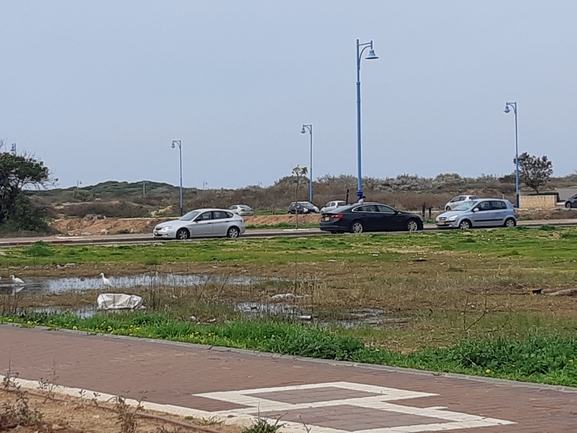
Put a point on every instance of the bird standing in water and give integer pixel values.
(105, 280)
(16, 280)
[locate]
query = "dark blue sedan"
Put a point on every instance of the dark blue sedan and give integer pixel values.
(369, 217)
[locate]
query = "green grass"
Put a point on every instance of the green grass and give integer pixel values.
(543, 358)
(282, 226)
(547, 245)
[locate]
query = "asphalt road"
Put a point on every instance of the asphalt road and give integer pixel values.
(255, 233)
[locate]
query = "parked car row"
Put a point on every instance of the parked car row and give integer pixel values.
(339, 217)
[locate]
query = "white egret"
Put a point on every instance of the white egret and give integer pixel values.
(16, 280)
(105, 281)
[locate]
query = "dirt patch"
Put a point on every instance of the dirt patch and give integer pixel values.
(65, 414)
(548, 214)
(108, 226)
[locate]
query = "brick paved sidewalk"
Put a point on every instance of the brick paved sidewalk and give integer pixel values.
(329, 397)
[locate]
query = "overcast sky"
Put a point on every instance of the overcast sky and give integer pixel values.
(99, 89)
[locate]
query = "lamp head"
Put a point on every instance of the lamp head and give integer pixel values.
(372, 55)
(173, 145)
(507, 109)
(303, 130)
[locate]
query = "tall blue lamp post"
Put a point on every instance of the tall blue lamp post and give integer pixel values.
(372, 56)
(304, 130)
(179, 144)
(508, 107)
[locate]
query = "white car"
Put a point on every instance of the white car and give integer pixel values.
(456, 201)
(333, 205)
(202, 223)
(241, 209)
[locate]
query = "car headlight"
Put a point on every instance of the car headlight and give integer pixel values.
(453, 218)
(163, 229)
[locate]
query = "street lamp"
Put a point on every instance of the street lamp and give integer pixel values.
(372, 56)
(508, 107)
(304, 130)
(179, 144)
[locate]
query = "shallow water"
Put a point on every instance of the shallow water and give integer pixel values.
(43, 285)
(280, 305)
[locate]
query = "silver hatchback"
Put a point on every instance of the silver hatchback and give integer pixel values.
(202, 223)
(485, 212)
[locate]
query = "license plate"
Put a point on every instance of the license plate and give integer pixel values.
(441, 223)
(326, 218)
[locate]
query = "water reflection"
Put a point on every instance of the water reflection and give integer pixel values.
(42, 285)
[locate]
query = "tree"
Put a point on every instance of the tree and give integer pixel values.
(534, 171)
(18, 172)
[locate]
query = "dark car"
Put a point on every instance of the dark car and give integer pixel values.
(571, 202)
(369, 217)
(302, 207)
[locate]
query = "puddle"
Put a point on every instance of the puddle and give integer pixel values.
(280, 305)
(260, 310)
(82, 312)
(43, 285)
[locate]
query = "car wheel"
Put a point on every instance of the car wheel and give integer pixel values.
(465, 225)
(568, 204)
(233, 232)
(447, 207)
(412, 226)
(510, 223)
(357, 227)
(182, 234)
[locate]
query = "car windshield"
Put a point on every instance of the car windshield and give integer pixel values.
(244, 207)
(307, 205)
(466, 205)
(189, 216)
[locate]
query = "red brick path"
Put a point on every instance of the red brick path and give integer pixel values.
(175, 374)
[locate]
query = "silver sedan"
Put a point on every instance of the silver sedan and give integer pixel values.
(202, 223)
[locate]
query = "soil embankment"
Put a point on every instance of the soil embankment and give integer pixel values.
(110, 226)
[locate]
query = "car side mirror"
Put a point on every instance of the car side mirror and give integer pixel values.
(475, 209)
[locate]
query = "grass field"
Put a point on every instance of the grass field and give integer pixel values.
(476, 301)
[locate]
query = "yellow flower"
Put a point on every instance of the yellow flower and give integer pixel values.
(571, 361)
(487, 371)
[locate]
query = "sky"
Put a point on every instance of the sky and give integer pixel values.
(98, 89)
